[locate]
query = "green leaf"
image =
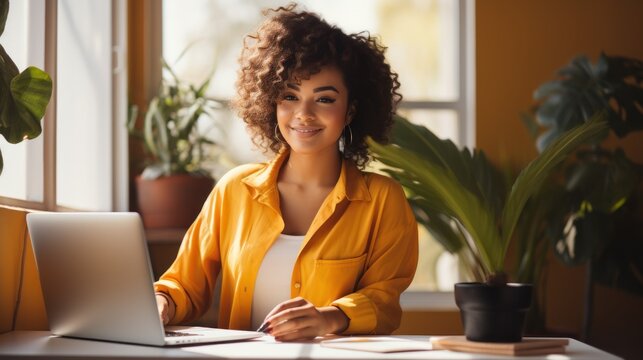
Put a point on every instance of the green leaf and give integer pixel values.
(473, 171)
(423, 142)
(443, 185)
(30, 92)
(582, 89)
(4, 11)
(170, 128)
(23, 96)
(443, 231)
(188, 119)
(8, 70)
(532, 176)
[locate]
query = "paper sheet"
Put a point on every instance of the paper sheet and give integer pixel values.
(378, 344)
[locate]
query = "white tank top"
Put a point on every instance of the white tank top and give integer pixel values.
(273, 280)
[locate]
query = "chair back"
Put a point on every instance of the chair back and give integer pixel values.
(21, 302)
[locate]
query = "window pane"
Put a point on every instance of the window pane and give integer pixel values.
(437, 269)
(421, 36)
(84, 108)
(444, 123)
(23, 40)
(423, 48)
(213, 30)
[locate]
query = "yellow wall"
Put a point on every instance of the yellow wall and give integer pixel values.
(520, 45)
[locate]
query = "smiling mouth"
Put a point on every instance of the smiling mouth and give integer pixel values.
(305, 131)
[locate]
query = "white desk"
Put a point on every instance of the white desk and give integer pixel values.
(41, 345)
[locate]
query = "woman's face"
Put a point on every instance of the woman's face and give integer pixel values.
(312, 115)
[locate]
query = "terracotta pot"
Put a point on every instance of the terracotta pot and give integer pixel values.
(172, 201)
(493, 313)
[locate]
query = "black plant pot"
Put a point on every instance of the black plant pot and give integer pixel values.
(493, 313)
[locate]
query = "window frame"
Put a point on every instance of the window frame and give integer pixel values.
(118, 147)
(464, 107)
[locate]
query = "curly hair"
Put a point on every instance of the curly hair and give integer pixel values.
(297, 44)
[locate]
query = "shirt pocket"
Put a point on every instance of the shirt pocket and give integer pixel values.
(333, 279)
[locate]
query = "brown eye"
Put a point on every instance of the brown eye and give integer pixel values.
(326, 100)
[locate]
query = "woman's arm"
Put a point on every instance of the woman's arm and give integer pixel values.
(374, 308)
(190, 280)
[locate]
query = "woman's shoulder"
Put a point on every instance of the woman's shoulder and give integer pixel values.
(236, 174)
(379, 184)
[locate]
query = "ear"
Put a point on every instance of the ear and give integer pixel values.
(350, 113)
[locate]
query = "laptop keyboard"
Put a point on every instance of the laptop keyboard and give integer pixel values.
(179, 333)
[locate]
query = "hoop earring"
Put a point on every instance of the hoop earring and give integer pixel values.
(277, 134)
(350, 133)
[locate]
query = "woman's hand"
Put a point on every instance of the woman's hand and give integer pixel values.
(165, 306)
(298, 319)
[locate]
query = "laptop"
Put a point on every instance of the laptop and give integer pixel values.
(97, 281)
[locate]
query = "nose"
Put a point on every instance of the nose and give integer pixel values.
(304, 111)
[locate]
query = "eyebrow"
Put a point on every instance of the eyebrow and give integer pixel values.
(318, 89)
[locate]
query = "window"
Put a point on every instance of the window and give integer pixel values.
(429, 44)
(25, 45)
(78, 161)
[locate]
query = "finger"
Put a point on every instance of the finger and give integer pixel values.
(280, 308)
(291, 313)
(292, 325)
(163, 314)
(307, 333)
(298, 320)
(161, 306)
(294, 302)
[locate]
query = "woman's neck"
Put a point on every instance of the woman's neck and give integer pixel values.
(311, 170)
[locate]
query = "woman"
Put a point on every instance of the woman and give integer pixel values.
(307, 244)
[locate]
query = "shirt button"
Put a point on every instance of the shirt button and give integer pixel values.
(297, 285)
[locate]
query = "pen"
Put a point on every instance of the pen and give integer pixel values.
(263, 327)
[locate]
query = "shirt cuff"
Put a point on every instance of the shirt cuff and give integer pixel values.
(360, 311)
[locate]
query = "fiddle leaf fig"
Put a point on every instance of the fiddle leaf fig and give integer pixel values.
(30, 93)
(581, 89)
(4, 11)
(24, 96)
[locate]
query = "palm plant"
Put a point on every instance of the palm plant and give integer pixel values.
(461, 199)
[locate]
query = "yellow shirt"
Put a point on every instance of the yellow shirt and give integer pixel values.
(359, 253)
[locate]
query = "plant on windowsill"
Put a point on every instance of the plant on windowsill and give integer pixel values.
(461, 198)
(175, 183)
(23, 96)
(594, 220)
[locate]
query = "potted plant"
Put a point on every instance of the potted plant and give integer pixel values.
(594, 222)
(23, 95)
(175, 183)
(460, 197)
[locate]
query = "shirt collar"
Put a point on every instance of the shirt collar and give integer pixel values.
(351, 183)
